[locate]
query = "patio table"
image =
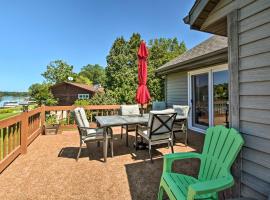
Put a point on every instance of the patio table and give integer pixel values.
(120, 120)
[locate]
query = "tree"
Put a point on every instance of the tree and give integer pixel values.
(122, 66)
(58, 71)
(82, 79)
(101, 98)
(42, 94)
(94, 73)
(161, 51)
(121, 70)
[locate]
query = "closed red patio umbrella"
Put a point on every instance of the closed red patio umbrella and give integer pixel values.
(142, 96)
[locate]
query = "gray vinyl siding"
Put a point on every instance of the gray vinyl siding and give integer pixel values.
(254, 94)
(254, 90)
(176, 88)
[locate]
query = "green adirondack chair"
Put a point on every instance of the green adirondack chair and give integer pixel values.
(220, 149)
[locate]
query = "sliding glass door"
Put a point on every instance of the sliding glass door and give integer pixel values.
(208, 97)
(200, 98)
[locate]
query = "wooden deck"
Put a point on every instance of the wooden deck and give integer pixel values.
(49, 170)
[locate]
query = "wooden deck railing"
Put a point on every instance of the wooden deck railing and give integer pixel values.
(17, 132)
(66, 119)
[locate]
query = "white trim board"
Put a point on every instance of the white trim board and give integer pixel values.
(210, 71)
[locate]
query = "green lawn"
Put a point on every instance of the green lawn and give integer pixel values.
(7, 115)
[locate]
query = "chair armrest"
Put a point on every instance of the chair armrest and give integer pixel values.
(170, 158)
(210, 186)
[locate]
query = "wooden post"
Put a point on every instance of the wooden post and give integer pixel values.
(234, 114)
(42, 118)
(24, 132)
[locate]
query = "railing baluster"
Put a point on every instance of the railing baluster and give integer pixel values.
(5, 142)
(1, 144)
(13, 136)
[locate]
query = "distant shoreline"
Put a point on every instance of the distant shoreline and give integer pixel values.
(15, 94)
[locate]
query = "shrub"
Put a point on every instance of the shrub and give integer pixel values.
(108, 98)
(81, 102)
(51, 119)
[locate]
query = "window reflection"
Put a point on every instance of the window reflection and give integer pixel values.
(220, 98)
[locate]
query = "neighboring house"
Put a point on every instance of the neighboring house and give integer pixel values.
(68, 92)
(199, 77)
(246, 23)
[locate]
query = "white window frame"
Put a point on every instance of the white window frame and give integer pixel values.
(83, 96)
(210, 71)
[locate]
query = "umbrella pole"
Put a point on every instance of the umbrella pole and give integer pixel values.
(141, 109)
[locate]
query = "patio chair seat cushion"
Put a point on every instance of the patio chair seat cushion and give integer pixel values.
(181, 183)
(130, 109)
(81, 117)
(181, 110)
(93, 134)
(145, 134)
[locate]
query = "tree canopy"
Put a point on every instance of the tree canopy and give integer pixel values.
(94, 73)
(122, 66)
(58, 71)
(120, 77)
(42, 94)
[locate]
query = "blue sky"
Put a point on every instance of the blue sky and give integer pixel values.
(35, 32)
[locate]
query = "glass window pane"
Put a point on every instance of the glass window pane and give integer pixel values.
(200, 101)
(221, 98)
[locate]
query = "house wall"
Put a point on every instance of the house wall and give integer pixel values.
(254, 96)
(176, 88)
(67, 94)
(253, 82)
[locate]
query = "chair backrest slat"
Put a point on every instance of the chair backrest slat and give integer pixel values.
(220, 149)
(161, 122)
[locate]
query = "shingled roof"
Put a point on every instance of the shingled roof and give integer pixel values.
(213, 44)
(89, 88)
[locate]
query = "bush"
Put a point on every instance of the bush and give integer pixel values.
(108, 98)
(51, 119)
(81, 102)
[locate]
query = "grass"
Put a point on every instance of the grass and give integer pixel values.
(10, 112)
(7, 115)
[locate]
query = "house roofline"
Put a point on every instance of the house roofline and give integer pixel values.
(216, 57)
(195, 11)
(75, 85)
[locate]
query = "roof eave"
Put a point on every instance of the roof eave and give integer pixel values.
(216, 57)
(195, 11)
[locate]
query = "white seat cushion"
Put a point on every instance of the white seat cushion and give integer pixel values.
(181, 110)
(144, 133)
(93, 134)
(130, 109)
(81, 117)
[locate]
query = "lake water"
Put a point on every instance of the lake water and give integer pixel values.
(10, 98)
